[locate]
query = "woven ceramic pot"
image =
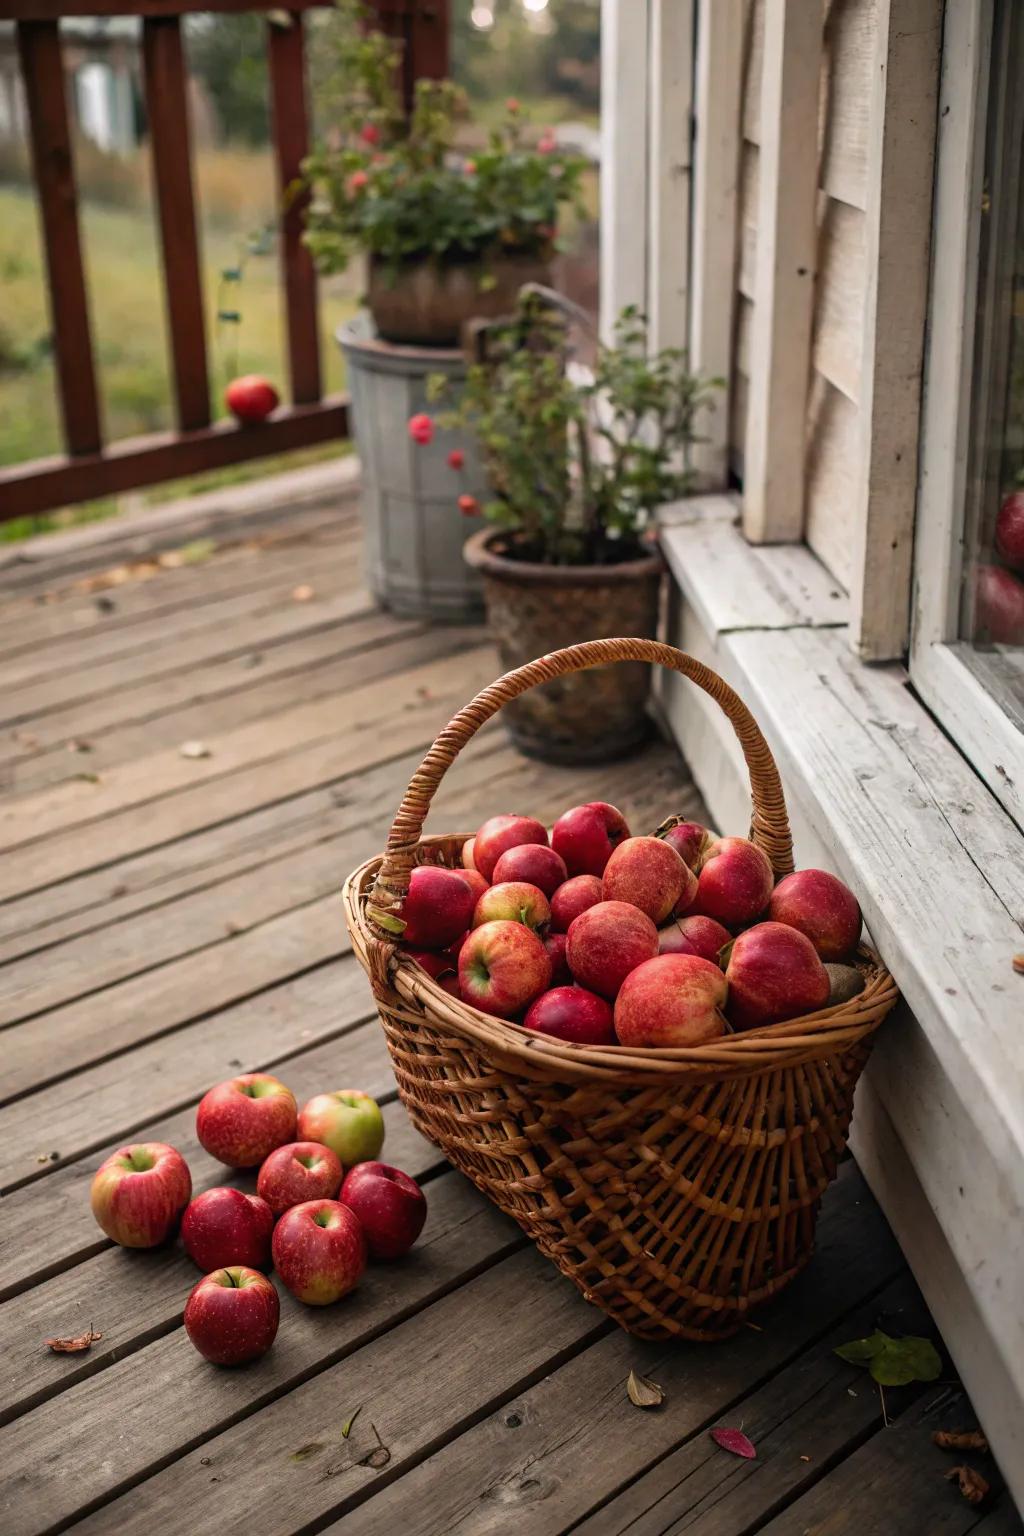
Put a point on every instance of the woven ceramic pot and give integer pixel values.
(590, 716)
(427, 303)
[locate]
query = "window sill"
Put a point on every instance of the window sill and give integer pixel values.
(878, 793)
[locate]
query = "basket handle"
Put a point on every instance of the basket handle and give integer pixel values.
(769, 827)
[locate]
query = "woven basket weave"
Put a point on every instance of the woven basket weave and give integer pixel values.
(677, 1188)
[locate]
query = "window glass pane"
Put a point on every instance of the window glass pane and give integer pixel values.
(992, 605)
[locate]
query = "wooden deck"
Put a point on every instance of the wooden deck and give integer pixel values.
(169, 917)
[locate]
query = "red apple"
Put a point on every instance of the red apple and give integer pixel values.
(999, 612)
(500, 833)
(586, 835)
(391, 1207)
(734, 883)
(231, 1315)
(346, 1120)
(319, 1251)
(672, 1000)
(1010, 530)
(224, 1226)
(467, 853)
(649, 874)
(438, 907)
(774, 973)
(503, 966)
(513, 901)
(572, 898)
(555, 944)
(694, 936)
(240, 1122)
(532, 863)
(139, 1193)
(436, 963)
(476, 882)
(251, 398)
(607, 942)
(303, 1170)
(689, 839)
(822, 907)
(572, 1013)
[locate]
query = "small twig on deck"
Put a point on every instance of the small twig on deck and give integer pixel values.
(885, 1416)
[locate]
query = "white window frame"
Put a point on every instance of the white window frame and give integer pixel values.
(949, 687)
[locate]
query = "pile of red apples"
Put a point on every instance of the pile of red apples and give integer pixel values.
(600, 938)
(999, 590)
(324, 1206)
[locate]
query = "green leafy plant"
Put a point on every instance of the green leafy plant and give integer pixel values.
(893, 1362)
(396, 187)
(578, 462)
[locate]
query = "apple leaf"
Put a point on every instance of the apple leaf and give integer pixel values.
(346, 1428)
(75, 1344)
(734, 1441)
(893, 1362)
(643, 1393)
(971, 1484)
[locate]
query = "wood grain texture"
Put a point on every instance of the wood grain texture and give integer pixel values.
(287, 59)
(833, 467)
(897, 228)
(838, 342)
(774, 453)
(715, 221)
(42, 484)
(168, 113)
(42, 70)
(303, 1468)
(625, 92)
(671, 68)
(466, 1236)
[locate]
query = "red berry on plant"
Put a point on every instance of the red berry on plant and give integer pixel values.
(421, 428)
(469, 506)
(370, 134)
(547, 143)
(512, 105)
(469, 168)
(356, 182)
(456, 458)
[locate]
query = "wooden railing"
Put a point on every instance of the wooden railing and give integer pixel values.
(91, 466)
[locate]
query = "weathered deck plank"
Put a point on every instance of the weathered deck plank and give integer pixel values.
(178, 921)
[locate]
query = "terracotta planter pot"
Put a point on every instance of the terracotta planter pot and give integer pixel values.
(429, 302)
(582, 717)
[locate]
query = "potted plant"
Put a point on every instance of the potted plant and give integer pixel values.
(446, 237)
(578, 462)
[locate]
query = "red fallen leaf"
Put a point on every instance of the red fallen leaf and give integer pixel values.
(971, 1484)
(736, 1441)
(72, 1346)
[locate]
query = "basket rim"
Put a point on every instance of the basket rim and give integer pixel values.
(809, 1037)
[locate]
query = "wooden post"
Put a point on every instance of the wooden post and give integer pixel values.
(43, 71)
(624, 157)
(167, 106)
(287, 59)
(671, 125)
(897, 240)
(718, 111)
(775, 456)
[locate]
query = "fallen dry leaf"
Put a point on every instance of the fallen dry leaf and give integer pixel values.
(1018, 964)
(735, 1441)
(960, 1440)
(302, 594)
(194, 749)
(644, 1393)
(346, 1428)
(971, 1484)
(74, 1345)
(79, 746)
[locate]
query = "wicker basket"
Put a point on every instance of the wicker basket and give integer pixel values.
(678, 1188)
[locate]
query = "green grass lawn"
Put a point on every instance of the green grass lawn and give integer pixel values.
(126, 297)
